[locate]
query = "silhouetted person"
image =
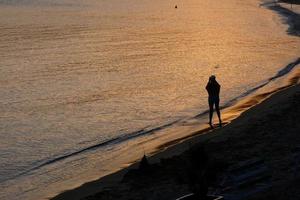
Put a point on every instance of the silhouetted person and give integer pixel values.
(213, 89)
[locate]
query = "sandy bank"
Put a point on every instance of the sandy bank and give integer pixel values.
(269, 130)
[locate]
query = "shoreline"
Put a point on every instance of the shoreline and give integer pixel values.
(92, 189)
(231, 114)
(291, 18)
(182, 143)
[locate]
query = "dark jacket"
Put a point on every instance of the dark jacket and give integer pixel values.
(213, 88)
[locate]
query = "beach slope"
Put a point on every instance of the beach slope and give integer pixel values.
(269, 131)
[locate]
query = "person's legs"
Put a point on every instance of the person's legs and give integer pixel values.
(218, 111)
(211, 111)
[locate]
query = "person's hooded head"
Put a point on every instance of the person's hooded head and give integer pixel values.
(212, 78)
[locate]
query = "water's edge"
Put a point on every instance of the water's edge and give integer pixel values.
(144, 132)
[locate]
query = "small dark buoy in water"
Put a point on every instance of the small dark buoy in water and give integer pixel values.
(175, 6)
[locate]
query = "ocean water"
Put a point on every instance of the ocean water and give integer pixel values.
(82, 80)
